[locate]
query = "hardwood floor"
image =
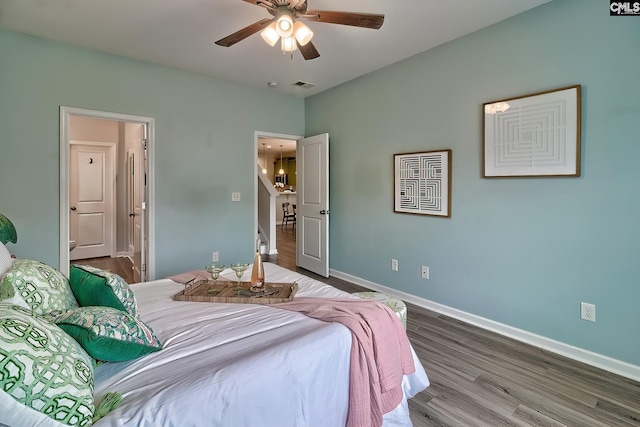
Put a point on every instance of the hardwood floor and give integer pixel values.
(479, 378)
(122, 266)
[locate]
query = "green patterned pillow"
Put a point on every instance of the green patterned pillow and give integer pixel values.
(38, 287)
(106, 333)
(43, 371)
(92, 286)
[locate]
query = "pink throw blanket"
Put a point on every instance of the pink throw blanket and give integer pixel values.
(189, 276)
(380, 353)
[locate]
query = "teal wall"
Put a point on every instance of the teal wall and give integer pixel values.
(523, 252)
(204, 146)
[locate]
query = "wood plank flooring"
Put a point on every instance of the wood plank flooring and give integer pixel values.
(122, 266)
(479, 378)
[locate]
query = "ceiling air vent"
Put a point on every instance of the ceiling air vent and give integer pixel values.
(305, 85)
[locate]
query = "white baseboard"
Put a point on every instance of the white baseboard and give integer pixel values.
(576, 353)
(124, 255)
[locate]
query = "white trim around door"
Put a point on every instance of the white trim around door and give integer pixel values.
(65, 115)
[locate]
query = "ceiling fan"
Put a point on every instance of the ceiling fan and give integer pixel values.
(287, 26)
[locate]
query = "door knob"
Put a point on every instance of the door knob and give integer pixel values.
(132, 214)
(323, 212)
(73, 208)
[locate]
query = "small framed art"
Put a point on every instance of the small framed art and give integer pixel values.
(533, 135)
(422, 183)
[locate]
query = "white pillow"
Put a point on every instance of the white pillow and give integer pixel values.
(5, 260)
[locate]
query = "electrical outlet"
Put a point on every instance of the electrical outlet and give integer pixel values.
(425, 272)
(215, 257)
(588, 311)
(235, 197)
(394, 264)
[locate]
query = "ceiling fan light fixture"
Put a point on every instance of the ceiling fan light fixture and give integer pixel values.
(284, 25)
(302, 33)
(270, 34)
(288, 44)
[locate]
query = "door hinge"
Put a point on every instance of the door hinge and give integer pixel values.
(144, 268)
(144, 143)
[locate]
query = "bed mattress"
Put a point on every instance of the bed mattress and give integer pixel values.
(238, 364)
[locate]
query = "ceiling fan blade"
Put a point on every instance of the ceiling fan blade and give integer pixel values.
(308, 51)
(242, 34)
(365, 20)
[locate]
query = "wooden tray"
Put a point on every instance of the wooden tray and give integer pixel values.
(225, 291)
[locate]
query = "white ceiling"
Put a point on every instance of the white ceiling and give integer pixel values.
(181, 34)
(272, 146)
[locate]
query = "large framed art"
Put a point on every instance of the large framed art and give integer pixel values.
(422, 183)
(533, 135)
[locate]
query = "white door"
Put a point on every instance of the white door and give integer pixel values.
(91, 197)
(134, 210)
(142, 214)
(136, 195)
(131, 200)
(312, 220)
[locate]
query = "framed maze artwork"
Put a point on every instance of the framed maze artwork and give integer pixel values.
(533, 135)
(422, 183)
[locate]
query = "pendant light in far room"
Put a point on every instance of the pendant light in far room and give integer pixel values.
(281, 171)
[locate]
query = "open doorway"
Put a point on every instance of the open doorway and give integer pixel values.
(276, 169)
(106, 196)
(304, 185)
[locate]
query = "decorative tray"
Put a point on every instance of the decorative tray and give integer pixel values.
(240, 293)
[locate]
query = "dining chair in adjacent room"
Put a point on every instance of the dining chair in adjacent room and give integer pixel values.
(287, 216)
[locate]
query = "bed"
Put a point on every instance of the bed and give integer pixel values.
(182, 363)
(239, 364)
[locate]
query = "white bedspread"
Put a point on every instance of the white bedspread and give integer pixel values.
(238, 364)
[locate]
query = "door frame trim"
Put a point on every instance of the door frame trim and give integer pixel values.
(65, 115)
(113, 150)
